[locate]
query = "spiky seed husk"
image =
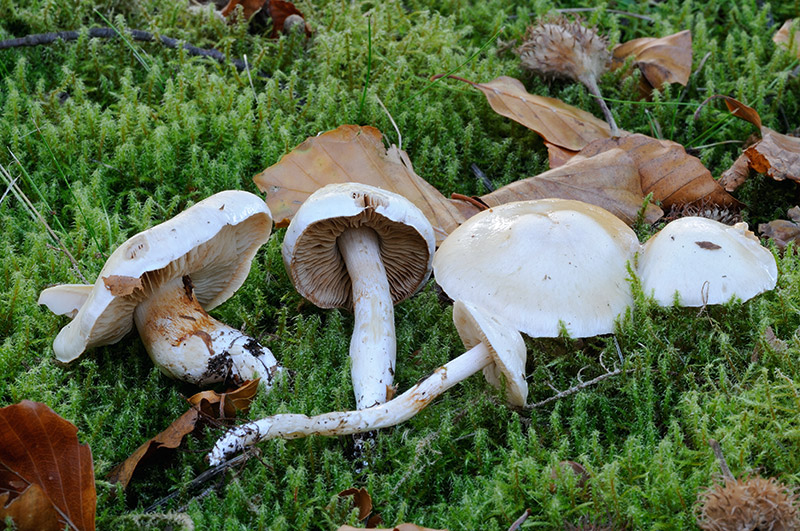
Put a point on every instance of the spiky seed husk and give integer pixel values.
(564, 48)
(750, 504)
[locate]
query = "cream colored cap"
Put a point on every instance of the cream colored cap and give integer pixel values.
(536, 264)
(312, 257)
(213, 242)
(505, 344)
(705, 262)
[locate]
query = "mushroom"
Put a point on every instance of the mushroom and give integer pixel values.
(703, 261)
(534, 266)
(164, 280)
(359, 247)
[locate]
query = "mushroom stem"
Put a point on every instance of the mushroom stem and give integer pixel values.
(395, 411)
(187, 344)
(372, 346)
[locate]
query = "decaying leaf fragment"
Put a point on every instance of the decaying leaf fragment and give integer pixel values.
(789, 37)
(674, 177)
(609, 180)
(775, 155)
(783, 231)
(284, 14)
(205, 405)
(46, 476)
(663, 60)
(555, 121)
(351, 154)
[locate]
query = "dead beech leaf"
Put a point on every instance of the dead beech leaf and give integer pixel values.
(664, 60)
(120, 285)
(558, 123)
(673, 176)
(783, 37)
(351, 154)
(46, 476)
(609, 180)
(401, 527)
(361, 499)
(207, 404)
(775, 155)
(783, 231)
(737, 174)
(558, 156)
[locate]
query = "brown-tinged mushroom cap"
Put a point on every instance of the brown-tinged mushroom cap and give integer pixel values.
(504, 343)
(314, 262)
(213, 242)
(538, 264)
(705, 262)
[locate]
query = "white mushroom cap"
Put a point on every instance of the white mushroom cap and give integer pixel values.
(504, 343)
(537, 264)
(314, 262)
(213, 242)
(705, 262)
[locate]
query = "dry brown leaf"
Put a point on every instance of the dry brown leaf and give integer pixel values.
(664, 60)
(208, 404)
(609, 180)
(776, 155)
(46, 476)
(783, 231)
(361, 499)
(279, 11)
(250, 7)
(737, 174)
(351, 154)
(558, 123)
(401, 527)
(783, 37)
(558, 156)
(673, 176)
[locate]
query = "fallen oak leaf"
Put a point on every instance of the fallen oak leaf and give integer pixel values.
(555, 121)
(46, 476)
(609, 180)
(661, 60)
(351, 153)
(207, 404)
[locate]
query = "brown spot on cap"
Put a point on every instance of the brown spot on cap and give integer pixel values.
(708, 245)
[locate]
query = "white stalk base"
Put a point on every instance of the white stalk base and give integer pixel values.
(400, 409)
(373, 348)
(187, 344)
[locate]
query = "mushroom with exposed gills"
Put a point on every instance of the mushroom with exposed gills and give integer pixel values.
(164, 280)
(359, 247)
(703, 261)
(531, 266)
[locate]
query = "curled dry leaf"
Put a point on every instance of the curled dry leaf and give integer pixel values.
(556, 122)
(776, 155)
(46, 476)
(674, 177)
(783, 231)
(351, 154)
(664, 60)
(205, 405)
(789, 37)
(283, 14)
(361, 499)
(609, 180)
(737, 174)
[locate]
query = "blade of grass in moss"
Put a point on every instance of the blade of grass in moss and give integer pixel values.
(424, 89)
(369, 69)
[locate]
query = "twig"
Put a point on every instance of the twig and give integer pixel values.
(202, 478)
(615, 11)
(108, 33)
(575, 389)
(723, 464)
(396, 129)
(519, 521)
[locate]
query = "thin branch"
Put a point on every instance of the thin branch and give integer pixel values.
(396, 129)
(574, 389)
(482, 177)
(723, 464)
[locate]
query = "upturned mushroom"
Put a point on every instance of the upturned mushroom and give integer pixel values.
(702, 261)
(164, 280)
(359, 247)
(535, 266)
